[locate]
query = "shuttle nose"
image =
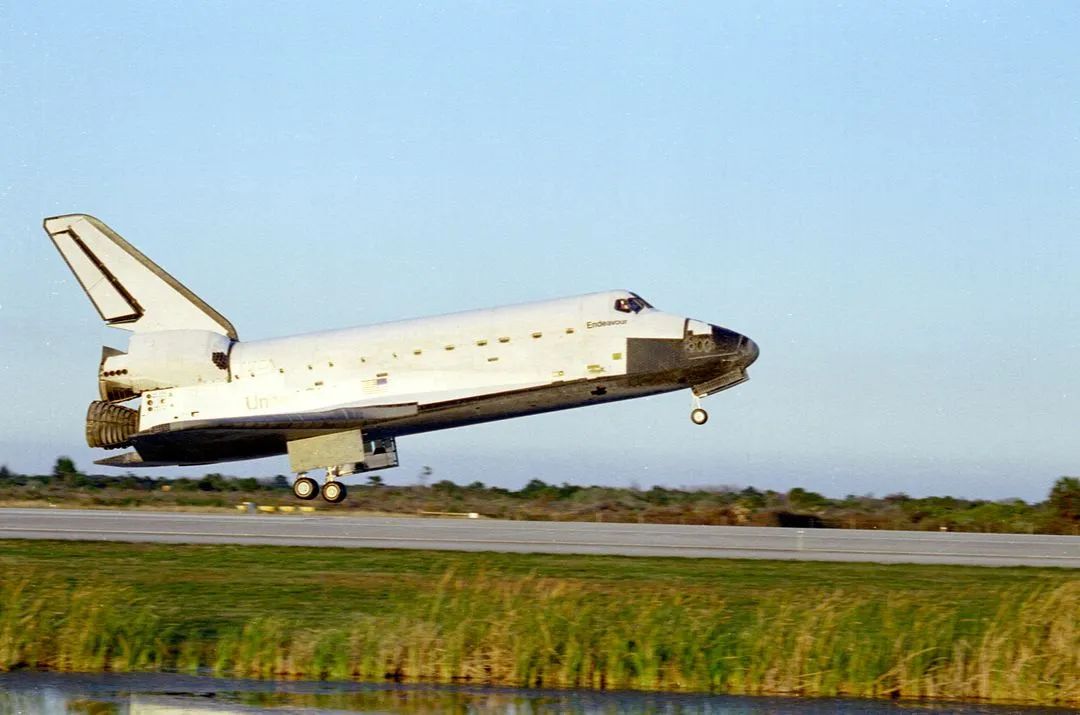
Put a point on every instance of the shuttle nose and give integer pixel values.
(749, 351)
(728, 342)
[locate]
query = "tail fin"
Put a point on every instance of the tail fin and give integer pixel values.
(128, 289)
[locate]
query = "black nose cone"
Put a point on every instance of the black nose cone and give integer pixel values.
(750, 351)
(729, 343)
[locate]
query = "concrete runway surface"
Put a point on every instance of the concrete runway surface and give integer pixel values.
(543, 537)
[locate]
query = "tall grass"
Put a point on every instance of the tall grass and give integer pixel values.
(562, 632)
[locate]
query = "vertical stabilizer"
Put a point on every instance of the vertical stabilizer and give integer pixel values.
(128, 289)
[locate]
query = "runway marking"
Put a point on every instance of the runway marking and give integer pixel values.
(511, 542)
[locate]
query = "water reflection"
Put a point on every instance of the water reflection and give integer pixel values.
(163, 694)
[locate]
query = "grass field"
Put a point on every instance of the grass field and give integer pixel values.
(996, 634)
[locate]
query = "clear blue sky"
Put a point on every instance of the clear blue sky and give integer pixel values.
(883, 195)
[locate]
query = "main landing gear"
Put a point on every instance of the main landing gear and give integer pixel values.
(334, 492)
(307, 488)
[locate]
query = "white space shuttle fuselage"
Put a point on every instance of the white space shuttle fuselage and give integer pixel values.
(338, 399)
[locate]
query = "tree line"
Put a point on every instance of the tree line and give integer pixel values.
(1059, 513)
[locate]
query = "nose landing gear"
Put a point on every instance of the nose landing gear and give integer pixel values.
(697, 415)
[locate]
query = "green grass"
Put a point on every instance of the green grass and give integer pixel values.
(998, 634)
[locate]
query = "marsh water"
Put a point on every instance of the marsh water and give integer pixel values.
(164, 694)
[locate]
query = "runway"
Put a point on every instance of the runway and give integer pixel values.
(543, 537)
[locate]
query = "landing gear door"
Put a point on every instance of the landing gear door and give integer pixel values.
(344, 452)
(379, 454)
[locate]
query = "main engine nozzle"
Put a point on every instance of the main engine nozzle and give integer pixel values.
(109, 425)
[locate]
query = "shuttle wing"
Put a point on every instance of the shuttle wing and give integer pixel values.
(325, 421)
(128, 289)
(228, 438)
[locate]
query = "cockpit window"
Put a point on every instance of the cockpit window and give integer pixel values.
(634, 304)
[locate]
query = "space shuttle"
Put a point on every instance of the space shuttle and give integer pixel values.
(188, 391)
